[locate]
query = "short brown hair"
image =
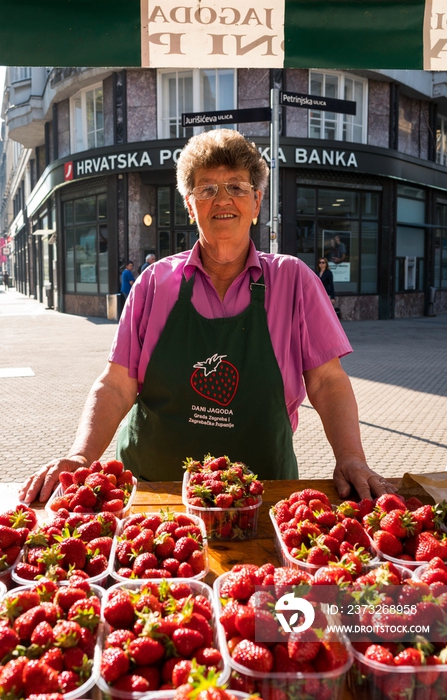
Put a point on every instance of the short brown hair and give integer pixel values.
(211, 149)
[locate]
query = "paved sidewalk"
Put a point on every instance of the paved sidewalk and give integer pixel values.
(398, 369)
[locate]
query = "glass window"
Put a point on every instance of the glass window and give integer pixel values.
(368, 275)
(87, 119)
(192, 91)
(164, 206)
(306, 200)
(341, 225)
(164, 243)
(409, 242)
(410, 205)
(86, 245)
(305, 241)
(339, 243)
(441, 140)
(331, 125)
(69, 260)
(181, 213)
(370, 205)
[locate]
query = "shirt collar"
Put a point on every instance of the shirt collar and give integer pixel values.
(194, 262)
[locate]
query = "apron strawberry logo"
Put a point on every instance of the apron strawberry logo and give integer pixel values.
(215, 379)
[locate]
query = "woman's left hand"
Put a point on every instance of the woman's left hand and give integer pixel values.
(356, 473)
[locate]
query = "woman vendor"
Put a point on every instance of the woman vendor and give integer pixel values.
(217, 347)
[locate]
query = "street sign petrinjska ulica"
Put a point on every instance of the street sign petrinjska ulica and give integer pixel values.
(324, 104)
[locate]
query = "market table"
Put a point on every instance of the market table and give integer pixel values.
(223, 555)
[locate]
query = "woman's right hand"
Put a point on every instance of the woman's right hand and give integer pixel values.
(47, 478)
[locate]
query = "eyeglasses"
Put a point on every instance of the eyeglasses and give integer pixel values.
(234, 189)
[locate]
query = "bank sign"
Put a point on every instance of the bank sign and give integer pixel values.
(154, 158)
(212, 33)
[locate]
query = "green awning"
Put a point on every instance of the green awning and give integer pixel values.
(338, 34)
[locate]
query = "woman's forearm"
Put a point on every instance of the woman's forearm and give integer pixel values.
(109, 400)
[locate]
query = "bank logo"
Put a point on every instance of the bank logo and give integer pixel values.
(68, 170)
(290, 603)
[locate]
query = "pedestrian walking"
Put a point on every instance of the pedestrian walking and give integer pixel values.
(127, 279)
(6, 280)
(150, 258)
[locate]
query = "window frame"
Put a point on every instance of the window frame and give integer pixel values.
(81, 94)
(442, 160)
(339, 118)
(196, 97)
(99, 222)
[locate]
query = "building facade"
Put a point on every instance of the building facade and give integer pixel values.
(89, 179)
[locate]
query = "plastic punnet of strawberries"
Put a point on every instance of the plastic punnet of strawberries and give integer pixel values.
(312, 663)
(156, 630)
(406, 530)
(225, 494)
(203, 685)
(400, 646)
(47, 638)
(72, 544)
(315, 534)
(160, 545)
(15, 526)
(95, 489)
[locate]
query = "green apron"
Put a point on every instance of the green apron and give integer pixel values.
(211, 386)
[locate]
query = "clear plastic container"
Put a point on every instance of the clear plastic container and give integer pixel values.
(413, 564)
(290, 685)
(3, 590)
(419, 571)
(369, 680)
(6, 578)
(198, 588)
(122, 526)
(91, 682)
(241, 523)
(119, 514)
(286, 558)
(98, 580)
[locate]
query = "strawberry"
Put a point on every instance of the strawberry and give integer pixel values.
(42, 634)
(409, 657)
(74, 552)
(331, 655)
(25, 623)
(68, 681)
(146, 651)
(38, 675)
(428, 546)
(196, 561)
(119, 611)
(81, 474)
(144, 561)
(186, 641)
(181, 671)
(114, 664)
(184, 547)
(113, 506)
(355, 533)
(303, 646)
(100, 545)
(224, 500)
(390, 501)
(11, 676)
(97, 565)
(67, 633)
(164, 546)
(132, 683)
(399, 523)
(9, 639)
(113, 466)
(379, 654)
(66, 596)
(90, 531)
(387, 543)
(8, 537)
(256, 657)
(54, 658)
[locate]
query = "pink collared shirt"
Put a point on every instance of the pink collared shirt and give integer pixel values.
(304, 329)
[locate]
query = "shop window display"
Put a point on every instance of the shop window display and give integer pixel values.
(86, 245)
(341, 225)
